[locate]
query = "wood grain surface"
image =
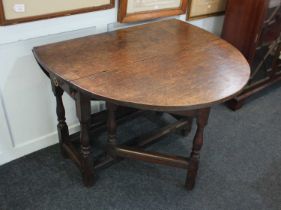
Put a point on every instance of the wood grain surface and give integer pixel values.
(168, 66)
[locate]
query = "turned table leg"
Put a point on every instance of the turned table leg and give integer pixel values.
(83, 111)
(61, 126)
(202, 119)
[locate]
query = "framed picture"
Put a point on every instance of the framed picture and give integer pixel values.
(17, 11)
(139, 10)
(205, 8)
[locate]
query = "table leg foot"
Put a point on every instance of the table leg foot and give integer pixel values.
(87, 173)
(191, 175)
(202, 119)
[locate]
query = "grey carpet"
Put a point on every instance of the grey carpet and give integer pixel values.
(240, 169)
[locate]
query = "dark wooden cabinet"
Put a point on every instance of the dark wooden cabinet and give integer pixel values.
(254, 27)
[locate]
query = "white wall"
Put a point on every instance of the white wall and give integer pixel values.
(27, 106)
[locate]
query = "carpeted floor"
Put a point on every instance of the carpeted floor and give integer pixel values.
(240, 169)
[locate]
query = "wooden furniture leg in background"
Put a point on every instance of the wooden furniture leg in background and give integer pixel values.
(61, 126)
(111, 124)
(187, 129)
(111, 130)
(83, 111)
(202, 119)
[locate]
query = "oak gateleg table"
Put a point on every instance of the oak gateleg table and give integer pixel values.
(168, 66)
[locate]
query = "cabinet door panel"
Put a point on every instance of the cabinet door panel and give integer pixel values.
(243, 23)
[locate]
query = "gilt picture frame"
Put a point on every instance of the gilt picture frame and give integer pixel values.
(141, 10)
(205, 8)
(18, 11)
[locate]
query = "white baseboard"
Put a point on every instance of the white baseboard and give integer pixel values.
(33, 145)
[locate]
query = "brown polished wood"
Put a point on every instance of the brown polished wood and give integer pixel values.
(132, 66)
(169, 66)
(255, 29)
(152, 157)
(246, 17)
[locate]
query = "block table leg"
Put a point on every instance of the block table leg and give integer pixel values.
(83, 111)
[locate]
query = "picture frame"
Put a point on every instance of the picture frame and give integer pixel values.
(19, 11)
(141, 10)
(205, 8)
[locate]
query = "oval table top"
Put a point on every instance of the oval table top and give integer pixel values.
(168, 65)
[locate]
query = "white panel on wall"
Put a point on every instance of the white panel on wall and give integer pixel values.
(27, 95)
(6, 142)
(39, 28)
